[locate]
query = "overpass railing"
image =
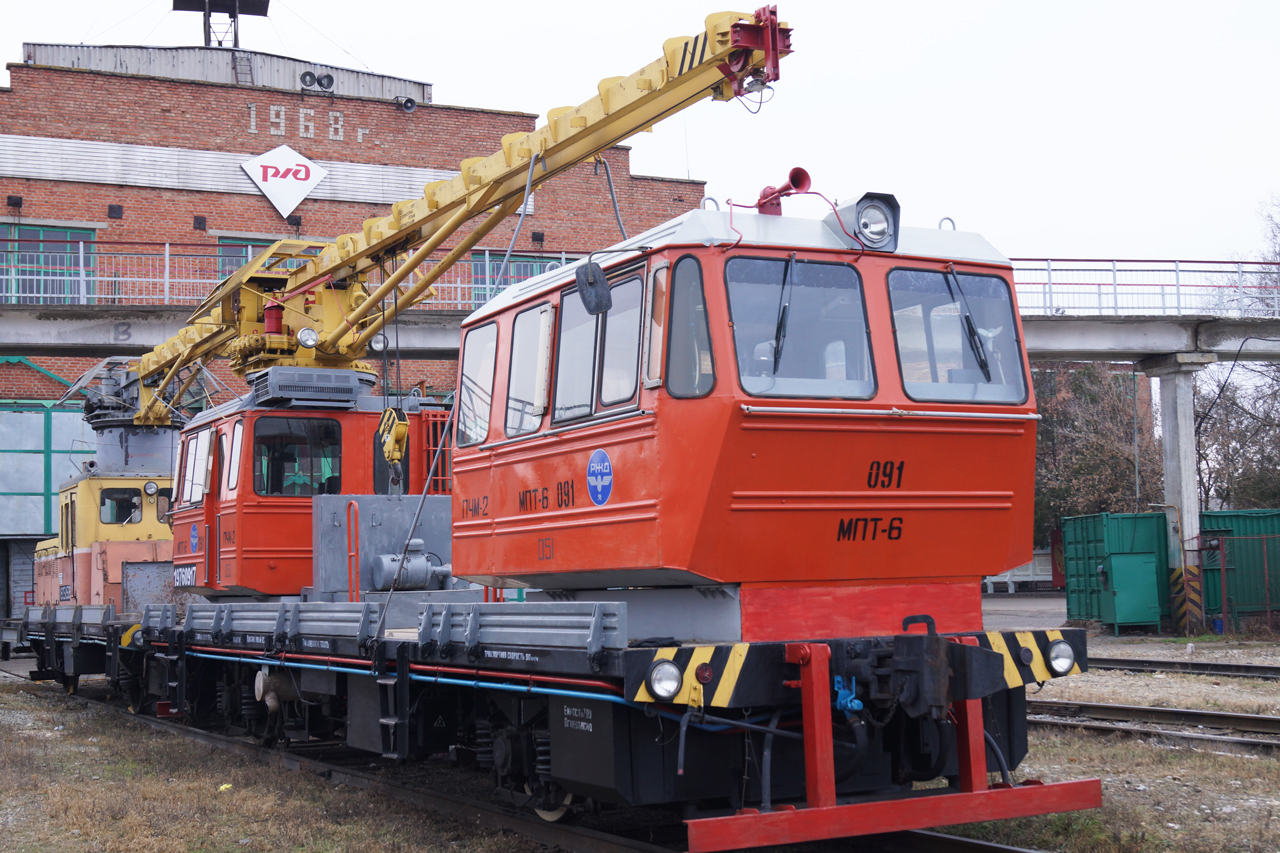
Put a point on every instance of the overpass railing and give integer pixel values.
(1115, 287)
(120, 273)
(106, 273)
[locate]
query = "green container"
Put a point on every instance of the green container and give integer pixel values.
(1251, 542)
(1117, 567)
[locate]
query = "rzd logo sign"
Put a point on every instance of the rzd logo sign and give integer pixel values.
(284, 176)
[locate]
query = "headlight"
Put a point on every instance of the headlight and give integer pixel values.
(308, 337)
(378, 343)
(664, 680)
(1061, 657)
(876, 221)
(150, 488)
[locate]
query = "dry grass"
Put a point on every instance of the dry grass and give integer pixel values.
(1154, 799)
(103, 783)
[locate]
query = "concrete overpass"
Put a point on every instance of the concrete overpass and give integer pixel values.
(103, 330)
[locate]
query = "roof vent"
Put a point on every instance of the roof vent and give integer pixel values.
(309, 386)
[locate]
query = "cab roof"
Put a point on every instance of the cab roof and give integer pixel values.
(711, 227)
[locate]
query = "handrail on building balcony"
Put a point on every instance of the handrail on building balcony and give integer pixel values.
(121, 272)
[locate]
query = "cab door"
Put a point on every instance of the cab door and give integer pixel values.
(212, 509)
(230, 445)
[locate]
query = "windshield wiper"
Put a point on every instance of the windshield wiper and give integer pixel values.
(780, 333)
(970, 330)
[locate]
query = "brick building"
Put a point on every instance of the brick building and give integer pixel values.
(122, 171)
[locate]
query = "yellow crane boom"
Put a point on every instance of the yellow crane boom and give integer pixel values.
(255, 315)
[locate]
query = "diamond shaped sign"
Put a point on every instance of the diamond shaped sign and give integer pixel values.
(284, 176)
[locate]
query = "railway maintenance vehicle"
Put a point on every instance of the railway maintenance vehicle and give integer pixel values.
(728, 489)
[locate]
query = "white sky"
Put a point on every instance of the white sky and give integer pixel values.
(1070, 129)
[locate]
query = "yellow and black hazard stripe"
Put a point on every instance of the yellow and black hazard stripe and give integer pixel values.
(741, 673)
(127, 637)
(1026, 653)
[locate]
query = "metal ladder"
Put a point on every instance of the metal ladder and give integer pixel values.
(393, 702)
(243, 69)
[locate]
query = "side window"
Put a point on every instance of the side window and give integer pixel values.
(690, 370)
(297, 456)
(620, 363)
(233, 461)
(475, 397)
(216, 465)
(120, 506)
(164, 500)
(575, 359)
(71, 511)
(657, 327)
(530, 352)
(196, 468)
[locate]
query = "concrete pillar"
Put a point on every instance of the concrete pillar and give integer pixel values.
(1176, 372)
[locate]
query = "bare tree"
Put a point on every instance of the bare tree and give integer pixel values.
(1238, 437)
(1091, 414)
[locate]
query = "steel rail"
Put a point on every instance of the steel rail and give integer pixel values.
(1120, 728)
(1254, 723)
(1233, 670)
(573, 839)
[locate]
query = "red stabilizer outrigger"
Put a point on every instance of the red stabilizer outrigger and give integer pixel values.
(824, 818)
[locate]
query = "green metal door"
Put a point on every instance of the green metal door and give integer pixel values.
(1131, 591)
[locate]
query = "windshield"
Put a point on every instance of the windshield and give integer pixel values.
(799, 328)
(957, 339)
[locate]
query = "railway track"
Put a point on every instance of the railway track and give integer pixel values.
(1146, 721)
(341, 764)
(1229, 670)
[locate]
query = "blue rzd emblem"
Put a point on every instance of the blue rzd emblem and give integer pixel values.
(599, 478)
(195, 539)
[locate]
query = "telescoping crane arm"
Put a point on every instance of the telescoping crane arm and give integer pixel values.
(256, 314)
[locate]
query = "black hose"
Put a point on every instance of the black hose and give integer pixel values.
(608, 175)
(1000, 761)
(766, 768)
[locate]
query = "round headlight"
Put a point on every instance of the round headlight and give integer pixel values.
(150, 488)
(378, 343)
(308, 337)
(874, 224)
(1061, 657)
(664, 680)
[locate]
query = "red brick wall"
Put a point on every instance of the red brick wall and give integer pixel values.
(572, 210)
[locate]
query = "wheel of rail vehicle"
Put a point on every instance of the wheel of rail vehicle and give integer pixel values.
(556, 815)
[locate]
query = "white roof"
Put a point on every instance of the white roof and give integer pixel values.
(710, 227)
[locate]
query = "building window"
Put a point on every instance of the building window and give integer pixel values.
(40, 265)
